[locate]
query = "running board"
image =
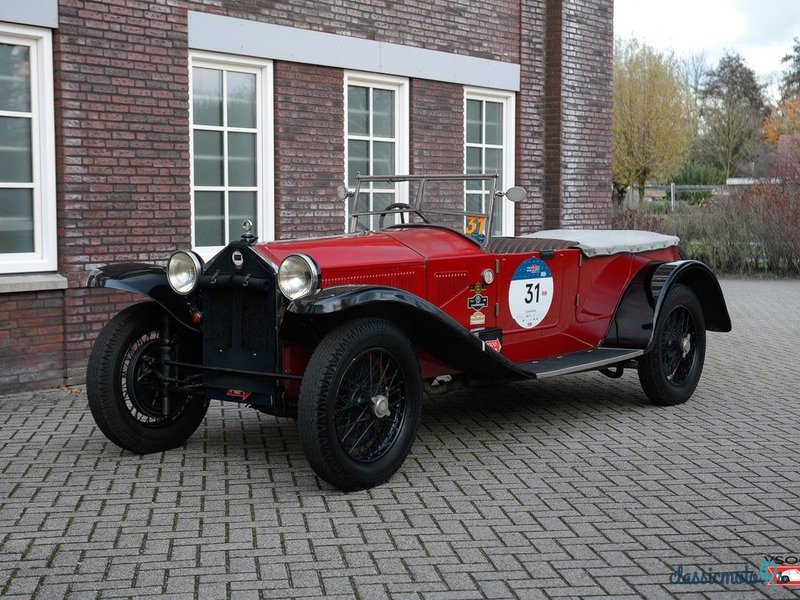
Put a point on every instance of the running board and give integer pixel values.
(586, 360)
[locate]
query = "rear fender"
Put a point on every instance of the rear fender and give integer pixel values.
(638, 312)
(308, 319)
(146, 280)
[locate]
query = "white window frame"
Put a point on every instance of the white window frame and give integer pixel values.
(45, 254)
(265, 135)
(508, 100)
(399, 85)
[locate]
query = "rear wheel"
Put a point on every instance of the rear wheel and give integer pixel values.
(360, 404)
(669, 373)
(124, 389)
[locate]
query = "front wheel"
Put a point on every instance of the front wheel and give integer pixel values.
(124, 389)
(669, 373)
(360, 404)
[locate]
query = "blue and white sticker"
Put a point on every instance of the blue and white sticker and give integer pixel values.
(531, 292)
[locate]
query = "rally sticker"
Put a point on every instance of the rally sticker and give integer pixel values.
(531, 292)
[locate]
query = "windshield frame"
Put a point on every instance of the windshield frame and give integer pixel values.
(418, 203)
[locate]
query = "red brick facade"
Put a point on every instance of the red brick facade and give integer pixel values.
(122, 136)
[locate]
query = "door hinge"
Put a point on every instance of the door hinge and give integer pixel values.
(496, 309)
(577, 299)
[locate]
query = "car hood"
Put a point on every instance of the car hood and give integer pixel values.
(346, 252)
(395, 247)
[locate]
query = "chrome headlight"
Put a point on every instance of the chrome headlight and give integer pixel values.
(298, 276)
(183, 271)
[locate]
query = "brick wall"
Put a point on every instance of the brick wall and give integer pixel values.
(122, 140)
(587, 47)
(31, 340)
(122, 136)
(309, 150)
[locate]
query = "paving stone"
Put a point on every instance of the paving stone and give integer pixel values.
(562, 488)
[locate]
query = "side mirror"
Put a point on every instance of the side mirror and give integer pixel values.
(342, 192)
(516, 194)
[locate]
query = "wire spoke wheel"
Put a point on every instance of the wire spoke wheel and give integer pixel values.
(364, 428)
(141, 386)
(125, 389)
(678, 345)
(360, 404)
(670, 371)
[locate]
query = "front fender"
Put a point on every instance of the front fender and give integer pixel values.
(426, 325)
(146, 280)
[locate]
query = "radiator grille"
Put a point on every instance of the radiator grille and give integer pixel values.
(220, 329)
(256, 322)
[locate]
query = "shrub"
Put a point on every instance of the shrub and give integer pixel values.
(753, 230)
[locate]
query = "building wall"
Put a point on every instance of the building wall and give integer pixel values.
(122, 137)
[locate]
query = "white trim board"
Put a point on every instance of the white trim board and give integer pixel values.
(217, 33)
(41, 13)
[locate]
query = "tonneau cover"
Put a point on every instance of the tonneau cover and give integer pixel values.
(600, 242)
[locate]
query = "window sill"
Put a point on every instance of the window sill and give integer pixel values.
(10, 284)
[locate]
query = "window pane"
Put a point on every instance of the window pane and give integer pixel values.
(241, 159)
(15, 78)
(381, 201)
(383, 113)
(357, 160)
(359, 204)
(474, 203)
(15, 150)
(497, 217)
(494, 162)
(383, 161)
(474, 160)
(357, 110)
(242, 205)
(209, 219)
(474, 130)
(241, 100)
(16, 220)
(494, 123)
(207, 96)
(207, 158)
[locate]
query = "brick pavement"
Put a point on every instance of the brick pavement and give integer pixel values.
(563, 488)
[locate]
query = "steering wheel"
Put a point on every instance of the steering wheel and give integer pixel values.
(398, 205)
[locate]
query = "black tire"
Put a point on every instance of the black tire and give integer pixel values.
(125, 399)
(355, 367)
(669, 373)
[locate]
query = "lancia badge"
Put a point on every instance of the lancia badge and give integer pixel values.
(237, 259)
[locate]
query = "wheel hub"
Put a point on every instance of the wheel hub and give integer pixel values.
(686, 344)
(380, 406)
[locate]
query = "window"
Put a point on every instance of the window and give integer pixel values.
(376, 141)
(489, 147)
(231, 116)
(27, 153)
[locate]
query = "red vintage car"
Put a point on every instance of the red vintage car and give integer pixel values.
(347, 333)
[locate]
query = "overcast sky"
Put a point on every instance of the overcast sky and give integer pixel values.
(760, 30)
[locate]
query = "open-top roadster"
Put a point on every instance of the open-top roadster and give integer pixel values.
(345, 333)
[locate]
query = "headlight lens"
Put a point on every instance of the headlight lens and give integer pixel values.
(183, 271)
(297, 276)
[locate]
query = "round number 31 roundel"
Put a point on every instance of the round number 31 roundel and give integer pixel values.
(531, 292)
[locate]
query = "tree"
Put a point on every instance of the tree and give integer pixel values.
(791, 78)
(733, 77)
(783, 120)
(732, 113)
(651, 114)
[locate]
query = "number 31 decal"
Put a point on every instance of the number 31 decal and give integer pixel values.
(529, 295)
(475, 225)
(531, 292)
